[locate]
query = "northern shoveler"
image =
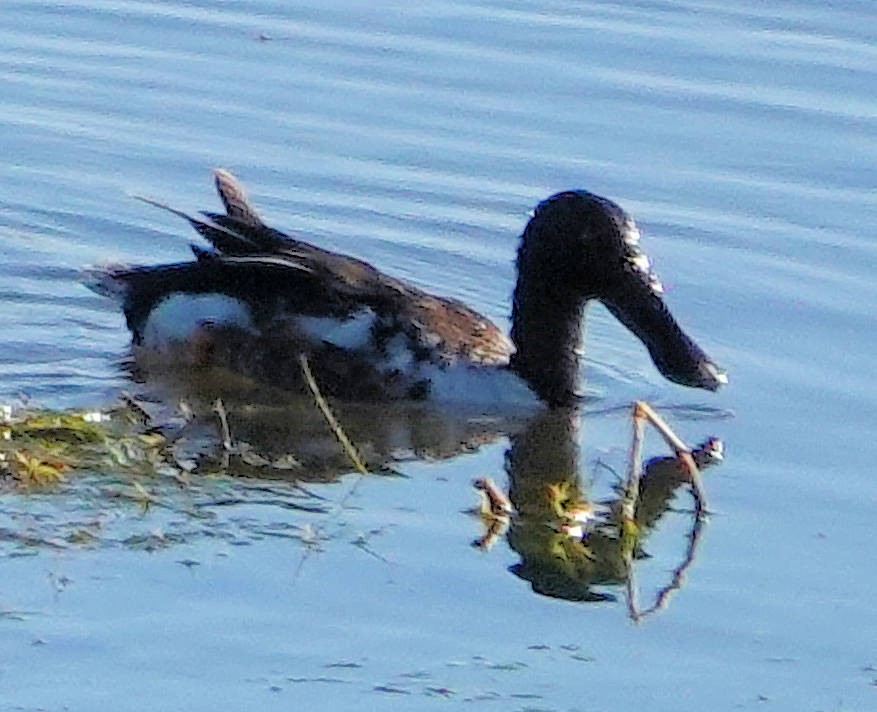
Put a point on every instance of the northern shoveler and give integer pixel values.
(259, 298)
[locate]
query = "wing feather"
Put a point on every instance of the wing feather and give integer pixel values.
(276, 271)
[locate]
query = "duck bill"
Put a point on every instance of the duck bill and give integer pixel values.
(641, 309)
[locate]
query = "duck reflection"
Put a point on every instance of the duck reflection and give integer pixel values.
(279, 435)
(570, 547)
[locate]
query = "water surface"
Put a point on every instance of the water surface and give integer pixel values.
(741, 136)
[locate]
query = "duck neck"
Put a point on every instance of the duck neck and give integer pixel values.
(547, 331)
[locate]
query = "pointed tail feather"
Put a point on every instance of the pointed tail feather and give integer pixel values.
(221, 237)
(235, 200)
(105, 281)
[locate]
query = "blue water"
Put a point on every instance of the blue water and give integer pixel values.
(740, 135)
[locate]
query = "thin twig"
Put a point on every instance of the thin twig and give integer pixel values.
(631, 588)
(495, 503)
(683, 452)
(337, 430)
(634, 473)
(662, 598)
(643, 412)
(225, 431)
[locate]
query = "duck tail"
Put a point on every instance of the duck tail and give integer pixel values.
(234, 198)
(224, 237)
(240, 231)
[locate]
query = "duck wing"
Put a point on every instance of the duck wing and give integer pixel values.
(447, 328)
(438, 329)
(279, 275)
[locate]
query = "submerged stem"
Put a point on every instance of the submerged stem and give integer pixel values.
(337, 430)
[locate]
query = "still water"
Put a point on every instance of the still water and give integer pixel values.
(742, 136)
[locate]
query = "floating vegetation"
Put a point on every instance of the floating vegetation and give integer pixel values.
(40, 449)
(129, 480)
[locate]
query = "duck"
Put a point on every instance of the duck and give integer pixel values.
(254, 300)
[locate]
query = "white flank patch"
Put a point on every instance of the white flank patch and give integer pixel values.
(354, 333)
(461, 383)
(479, 386)
(178, 316)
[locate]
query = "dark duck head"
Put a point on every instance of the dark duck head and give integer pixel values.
(260, 298)
(577, 247)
